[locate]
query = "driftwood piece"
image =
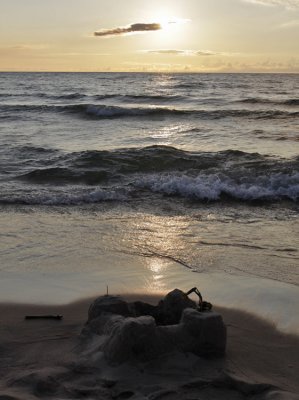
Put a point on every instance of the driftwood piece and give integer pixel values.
(57, 317)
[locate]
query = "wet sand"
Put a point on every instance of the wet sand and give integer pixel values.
(43, 358)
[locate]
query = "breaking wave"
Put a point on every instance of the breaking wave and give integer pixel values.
(96, 166)
(214, 187)
(96, 110)
(116, 96)
(164, 170)
(102, 111)
(140, 97)
(203, 187)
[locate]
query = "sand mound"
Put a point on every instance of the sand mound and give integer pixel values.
(129, 331)
(51, 359)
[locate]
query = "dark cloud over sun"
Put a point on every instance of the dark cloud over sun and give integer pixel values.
(133, 28)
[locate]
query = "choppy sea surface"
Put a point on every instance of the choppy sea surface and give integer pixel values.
(146, 181)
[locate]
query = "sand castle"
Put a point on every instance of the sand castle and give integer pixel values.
(142, 331)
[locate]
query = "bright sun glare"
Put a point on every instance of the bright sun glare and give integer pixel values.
(171, 28)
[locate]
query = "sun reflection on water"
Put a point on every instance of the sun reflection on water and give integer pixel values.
(158, 270)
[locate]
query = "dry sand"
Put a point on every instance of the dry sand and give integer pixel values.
(45, 358)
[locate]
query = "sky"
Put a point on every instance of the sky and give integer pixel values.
(155, 35)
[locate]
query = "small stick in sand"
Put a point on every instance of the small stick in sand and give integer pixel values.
(58, 317)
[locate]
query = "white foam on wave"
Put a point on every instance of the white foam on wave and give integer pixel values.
(211, 187)
(105, 111)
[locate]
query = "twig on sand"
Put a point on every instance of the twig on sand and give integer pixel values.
(57, 317)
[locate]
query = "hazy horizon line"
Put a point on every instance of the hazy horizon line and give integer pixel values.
(151, 72)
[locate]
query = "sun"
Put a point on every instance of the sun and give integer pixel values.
(171, 28)
(167, 20)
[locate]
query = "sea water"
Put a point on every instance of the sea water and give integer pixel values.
(146, 182)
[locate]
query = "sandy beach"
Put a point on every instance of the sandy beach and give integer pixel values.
(45, 358)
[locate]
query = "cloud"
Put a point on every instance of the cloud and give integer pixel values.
(205, 53)
(156, 67)
(133, 28)
(285, 3)
(183, 52)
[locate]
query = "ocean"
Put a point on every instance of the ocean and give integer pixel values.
(144, 182)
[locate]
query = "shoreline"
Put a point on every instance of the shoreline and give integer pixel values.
(271, 300)
(256, 351)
